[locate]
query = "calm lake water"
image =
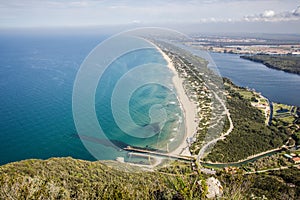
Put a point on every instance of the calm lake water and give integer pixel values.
(278, 86)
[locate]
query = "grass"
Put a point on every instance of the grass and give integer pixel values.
(246, 94)
(277, 107)
(250, 135)
(274, 185)
(249, 95)
(67, 178)
(289, 119)
(274, 161)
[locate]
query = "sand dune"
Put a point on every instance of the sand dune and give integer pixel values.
(189, 108)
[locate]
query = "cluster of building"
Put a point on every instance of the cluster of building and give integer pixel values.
(294, 158)
(257, 49)
(231, 170)
(242, 45)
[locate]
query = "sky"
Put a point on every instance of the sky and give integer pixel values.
(205, 15)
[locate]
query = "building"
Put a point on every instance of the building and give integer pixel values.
(288, 156)
(296, 160)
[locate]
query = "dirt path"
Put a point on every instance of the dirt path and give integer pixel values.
(223, 136)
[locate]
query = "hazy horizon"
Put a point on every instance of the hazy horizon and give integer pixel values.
(207, 16)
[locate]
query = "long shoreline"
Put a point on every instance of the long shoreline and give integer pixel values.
(189, 108)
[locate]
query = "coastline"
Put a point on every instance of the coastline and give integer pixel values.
(269, 65)
(189, 108)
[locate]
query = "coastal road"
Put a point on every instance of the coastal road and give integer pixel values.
(225, 112)
(253, 157)
(223, 136)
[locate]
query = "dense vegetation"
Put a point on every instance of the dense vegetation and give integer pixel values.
(268, 162)
(67, 178)
(250, 134)
(287, 118)
(287, 63)
(282, 184)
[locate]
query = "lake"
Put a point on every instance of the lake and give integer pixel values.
(277, 86)
(37, 75)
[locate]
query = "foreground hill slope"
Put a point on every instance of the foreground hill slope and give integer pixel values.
(67, 178)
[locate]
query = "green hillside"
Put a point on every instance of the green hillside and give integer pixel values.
(67, 178)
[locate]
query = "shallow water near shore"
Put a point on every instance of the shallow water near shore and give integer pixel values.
(37, 75)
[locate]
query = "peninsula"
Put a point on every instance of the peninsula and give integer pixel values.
(242, 137)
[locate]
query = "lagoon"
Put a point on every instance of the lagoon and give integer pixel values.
(37, 75)
(277, 86)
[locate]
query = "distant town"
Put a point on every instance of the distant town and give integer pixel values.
(247, 45)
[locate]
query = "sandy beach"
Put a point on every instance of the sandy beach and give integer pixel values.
(189, 108)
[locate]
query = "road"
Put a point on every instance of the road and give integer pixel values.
(271, 112)
(272, 169)
(222, 137)
(253, 157)
(231, 126)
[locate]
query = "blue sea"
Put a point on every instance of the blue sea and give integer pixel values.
(37, 77)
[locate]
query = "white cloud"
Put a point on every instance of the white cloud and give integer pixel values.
(79, 3)
(32, 13)
(296, 12)
(268, 13)
(271, 16)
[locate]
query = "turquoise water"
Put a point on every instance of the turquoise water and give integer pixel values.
(37, 73)
(142, 101)
(171, 132)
